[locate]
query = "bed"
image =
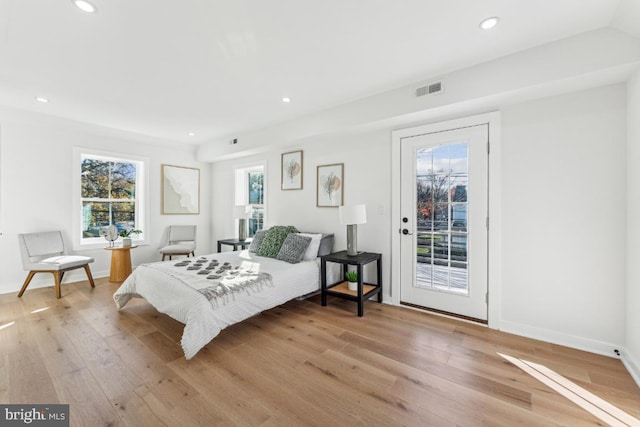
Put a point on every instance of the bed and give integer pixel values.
(209, 293)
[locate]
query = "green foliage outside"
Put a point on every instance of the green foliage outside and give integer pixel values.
(108, 192)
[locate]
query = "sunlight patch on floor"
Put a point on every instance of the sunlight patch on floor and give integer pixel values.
(586, 400)
(7, 325)
(38, 310)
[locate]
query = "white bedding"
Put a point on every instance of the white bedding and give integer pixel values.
(205, 319)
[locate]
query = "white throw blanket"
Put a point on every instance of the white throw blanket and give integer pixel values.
(217, 281)
(204, 318)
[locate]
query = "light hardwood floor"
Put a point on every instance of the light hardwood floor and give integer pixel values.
(298, 364)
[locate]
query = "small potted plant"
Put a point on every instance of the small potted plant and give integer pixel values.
(352, 278)
(126, 236)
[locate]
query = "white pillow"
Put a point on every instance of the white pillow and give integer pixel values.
(312, 250)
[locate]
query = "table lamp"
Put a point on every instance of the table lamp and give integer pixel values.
(242, 212)
(351, 216)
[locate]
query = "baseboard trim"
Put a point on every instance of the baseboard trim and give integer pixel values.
(632, 365)
(567, 340)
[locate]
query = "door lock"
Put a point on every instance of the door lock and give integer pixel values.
(405, 231)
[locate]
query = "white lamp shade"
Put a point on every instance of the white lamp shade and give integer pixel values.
(242, 211)
(353, 214)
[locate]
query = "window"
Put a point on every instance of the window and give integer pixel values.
(111, 190)
(250, 190)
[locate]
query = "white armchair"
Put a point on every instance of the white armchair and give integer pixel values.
(181, 241)
(44, 253)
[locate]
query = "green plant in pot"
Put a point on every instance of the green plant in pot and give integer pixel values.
(126, 236)
(352, 278)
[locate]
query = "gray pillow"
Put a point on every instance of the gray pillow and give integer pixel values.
(257, 241)
(326, 243)
(273, 239)
(293, 248)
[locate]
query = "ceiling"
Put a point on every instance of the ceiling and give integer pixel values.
(164, 68)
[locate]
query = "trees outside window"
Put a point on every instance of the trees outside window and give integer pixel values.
(250, 190)
(110, 190)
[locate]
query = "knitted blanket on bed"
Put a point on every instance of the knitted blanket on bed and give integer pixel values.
(218, 282)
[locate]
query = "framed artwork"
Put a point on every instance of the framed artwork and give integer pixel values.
(180, 190)
(292, 170)
(330, 185)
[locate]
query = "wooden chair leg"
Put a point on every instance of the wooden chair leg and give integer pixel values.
(88, 271)
(56, 278)
(26, 283)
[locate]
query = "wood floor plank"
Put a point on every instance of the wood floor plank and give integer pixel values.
(4, 377)
(134, 411)
(297, 364)
(272, 391)
(29, 380)
(62, 357)
(225, 397)
(161, 345)
(88, 405)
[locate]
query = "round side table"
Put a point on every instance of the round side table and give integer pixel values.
(120, 262)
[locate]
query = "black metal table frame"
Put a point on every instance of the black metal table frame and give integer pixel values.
(233, 242)
(359, 261)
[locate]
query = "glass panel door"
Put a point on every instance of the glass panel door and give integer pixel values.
(442, 176)
(443, 248)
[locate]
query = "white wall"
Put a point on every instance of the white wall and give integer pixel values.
(591, 59)
(631, 355)
(563, 211)
(35, 166)
(564, 219)
(367, 170)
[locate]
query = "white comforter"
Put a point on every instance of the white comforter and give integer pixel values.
(205, 319)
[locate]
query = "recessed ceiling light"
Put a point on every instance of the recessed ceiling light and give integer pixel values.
(84, 6)
(41, 99)
(286, 99)
(489, 23)
(191, 134)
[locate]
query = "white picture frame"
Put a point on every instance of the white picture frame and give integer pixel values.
(180, 190)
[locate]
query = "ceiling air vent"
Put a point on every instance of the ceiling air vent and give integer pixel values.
(430, 89)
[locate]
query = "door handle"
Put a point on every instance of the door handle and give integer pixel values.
(406, 232)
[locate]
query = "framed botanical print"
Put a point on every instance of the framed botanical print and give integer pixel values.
(330, 185)
(292, 170)
(180, 190)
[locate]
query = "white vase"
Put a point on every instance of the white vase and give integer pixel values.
(126, 241)
(353, 286)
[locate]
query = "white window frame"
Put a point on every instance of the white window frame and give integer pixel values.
(142, 197)
(241, 188)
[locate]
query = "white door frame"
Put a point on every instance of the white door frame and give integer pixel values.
(494, 188)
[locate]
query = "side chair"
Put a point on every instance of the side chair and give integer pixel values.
(182, 241)
(45, 253)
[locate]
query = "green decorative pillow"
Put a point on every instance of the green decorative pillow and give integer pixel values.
(273, 239)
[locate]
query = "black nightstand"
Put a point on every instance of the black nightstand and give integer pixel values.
(235, 243)
(341, 289)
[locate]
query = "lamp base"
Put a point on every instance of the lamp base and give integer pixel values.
(242, 229)
(352, 240)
